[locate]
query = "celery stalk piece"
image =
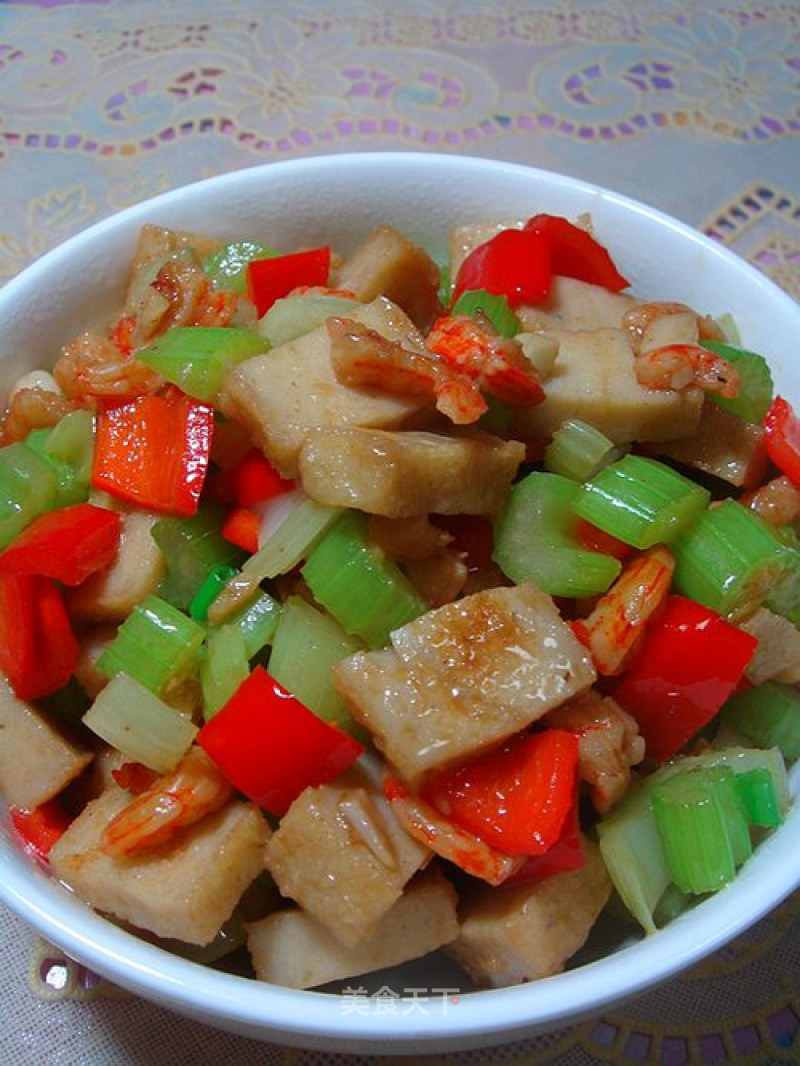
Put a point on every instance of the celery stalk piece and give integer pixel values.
(768, 715)
(72, 440)
(136, 722)
(156, 645)
(306, 646)
(366, 593)
(445, 292)
(193, 548)
(195, 358)
(292, 316)
(223, 667)
(535, 541)
(493, 305)
(28, 488)
(755, 382)
(214, 583)
(784, 593)
(257, 622)
(641, 501)
(671, 905)
(759, 796)
(227, 267)
(692, 826)
(728, 559)
(579, 451)
(70, 489)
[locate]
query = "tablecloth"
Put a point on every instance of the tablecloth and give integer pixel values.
(693, 107)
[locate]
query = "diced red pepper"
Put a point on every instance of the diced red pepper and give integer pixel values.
(690, 662)
(271, 747)
(42, 827)
(782, 438)
(594, 539)
(574, 253)
(134, 777)
(241, 527)
(516, 798)
(514, 264)
(254, 479)
(68, 544)
(154, 451)
(566, 854)
(269, 280)
(38, 649)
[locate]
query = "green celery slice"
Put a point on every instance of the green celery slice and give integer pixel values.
(223, 667)
(692, 824)
(306, 646)
(535, 541)
(28, 488)
(365, 592)
(755, 382)
(156, 645)
(70, 489)
(133, 720)
(227, 267)
(784, 593)
(193, 548)
(579, 451)
(768, 715)
(297, 314)
(640, 501)
(493, 305)
(445, 292)
(760, 798)
(257, 622)
(728, 559)
(196, 358)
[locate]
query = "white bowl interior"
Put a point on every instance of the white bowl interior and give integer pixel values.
(336, 200)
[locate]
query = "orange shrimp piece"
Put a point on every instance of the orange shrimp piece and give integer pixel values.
(638, 320)
(495, 363)
(619, 617)
(195, 788)
(92, 366)
(777, 502)
(364, 358)
(681, 366)
(32, 408)
(428, 825)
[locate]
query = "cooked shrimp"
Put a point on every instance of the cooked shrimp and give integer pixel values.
(496, 364)
(640, 320)
(608, 744)
(364, 358)
(428, 825)
(681, 366)
(619, 617)
(93, 367)
(32, 408)
(777, 502)
(195, 788)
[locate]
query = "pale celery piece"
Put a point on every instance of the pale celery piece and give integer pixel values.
(306, 645)
(299, 313)
(755, 382)
(193, 548)
(28, 487)
(227, 267)
(729, 558)
(535, 540)
(136, 722)
(579, 451)
(493, 305)
(641, 501)
(768, 715)
(196, 358)
(257, 622)
(223, 667)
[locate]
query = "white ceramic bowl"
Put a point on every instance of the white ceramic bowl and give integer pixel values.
(337, 199)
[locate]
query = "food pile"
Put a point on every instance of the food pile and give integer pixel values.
(354, 608)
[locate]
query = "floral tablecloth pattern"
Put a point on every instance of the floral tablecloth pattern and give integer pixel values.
(692, 107)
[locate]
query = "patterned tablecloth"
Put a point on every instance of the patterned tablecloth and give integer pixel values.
(693, 107)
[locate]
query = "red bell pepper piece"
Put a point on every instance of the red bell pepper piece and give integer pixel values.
(241, 527)
(38, 649)
(574, 253)
(782, 438)
(269, 280)
(68, 544)
(42, 827)
(514, 264)
(271, 747)
(254, 479)
(690, 662)
(516, 798)
(154, 451)
(593, 539)
(566, 854)
(134, 777)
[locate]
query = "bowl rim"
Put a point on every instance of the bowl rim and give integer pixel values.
(283, 1015)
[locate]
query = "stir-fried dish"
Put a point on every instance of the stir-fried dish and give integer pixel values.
(359, 607)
